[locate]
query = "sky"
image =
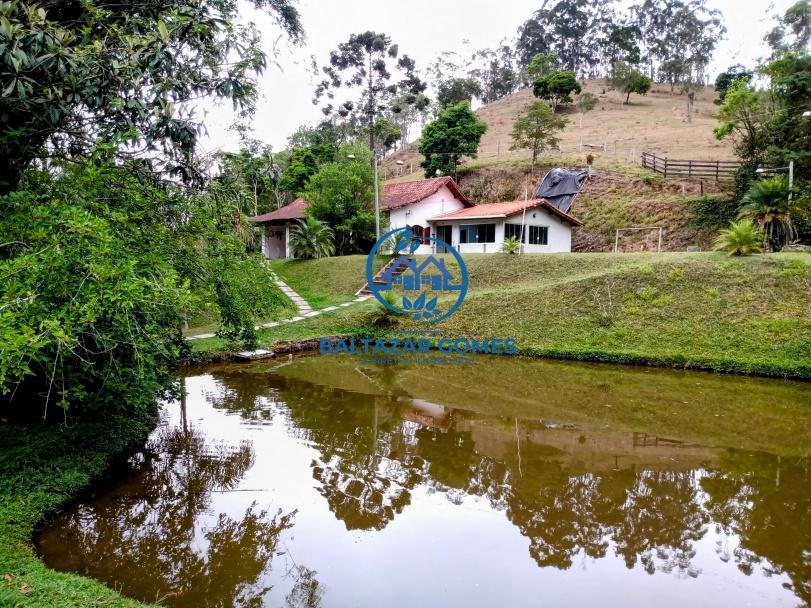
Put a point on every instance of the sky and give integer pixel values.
(423, 29)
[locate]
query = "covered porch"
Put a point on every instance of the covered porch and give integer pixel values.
(276, 227)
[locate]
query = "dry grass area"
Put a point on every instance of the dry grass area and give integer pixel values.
(654, 123)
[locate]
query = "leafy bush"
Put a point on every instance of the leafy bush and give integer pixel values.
(312, 239)
(89, 310)
(511, 245)
(767, 202)
(741, 238)
(710, 213)
(100, 265)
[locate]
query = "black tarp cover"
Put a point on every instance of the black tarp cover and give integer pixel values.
(560, 186)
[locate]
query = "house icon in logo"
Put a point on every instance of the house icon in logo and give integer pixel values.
(430, 275)
(413, 286)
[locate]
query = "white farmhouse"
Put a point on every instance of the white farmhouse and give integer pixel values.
(537, 224)
(437, 207)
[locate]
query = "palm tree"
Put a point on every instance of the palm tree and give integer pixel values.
(767, 203)
(741, 238)
(312, 239)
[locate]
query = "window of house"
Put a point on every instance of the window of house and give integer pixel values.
(477, 233)
(537, 235)
(512, 230)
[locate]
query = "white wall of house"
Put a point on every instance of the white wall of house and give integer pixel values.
(275, 242)
(560, 232)
(417, 214)
(559, 236)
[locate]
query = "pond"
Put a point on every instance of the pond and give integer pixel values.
(321, 481)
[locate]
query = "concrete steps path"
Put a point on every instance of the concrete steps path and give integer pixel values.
(304, 309)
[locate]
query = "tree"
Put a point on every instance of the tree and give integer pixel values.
(253, 173)
(729, 76)
(79, 72)
(742, 119)
(686, 31)
(537, 130)
(329, 132)
(621, 44)
(556, 87)
(366, 64)
(768, 204)
(542, 64)
(586, 102)
(793, 29)
(303, 164)
(312, 239)
(672, 72)
(405, 111)
(570, 29)
(387, 134)
(789, 131)
(341, 195)
(456, 90)
(495, 72)
(455, 133)
(628, 80)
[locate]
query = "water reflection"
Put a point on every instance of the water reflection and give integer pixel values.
(374, 448)
(155, 526)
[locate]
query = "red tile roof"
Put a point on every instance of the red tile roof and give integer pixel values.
(406, 193)
(506, 209)
(394, 197)
(293, 211)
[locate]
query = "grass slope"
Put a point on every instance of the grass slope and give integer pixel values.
(699, 310)
(327, 281)
(654, 123)
(619, 194)
(42, 467)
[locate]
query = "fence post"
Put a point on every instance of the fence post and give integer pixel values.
(665, 166)
(689, 168)
(717, 169)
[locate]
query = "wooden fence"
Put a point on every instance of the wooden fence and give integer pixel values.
(716, 169)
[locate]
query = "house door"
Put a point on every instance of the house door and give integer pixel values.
(443, 233)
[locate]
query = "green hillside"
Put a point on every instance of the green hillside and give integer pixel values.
(695, 310)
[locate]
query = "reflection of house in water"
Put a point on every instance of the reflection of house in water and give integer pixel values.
(429, 415)
(572, 445)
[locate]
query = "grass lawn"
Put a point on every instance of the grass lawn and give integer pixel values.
(328, 281)
(692, 310)
(42, 467)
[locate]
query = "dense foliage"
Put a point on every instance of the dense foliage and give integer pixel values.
(741, 238)
(628, 80)
(100, 267)
(455, 133)
(312, 239)
(341, 195)
(770, 203)
(556, 87)
(88, 301)
(73, 72)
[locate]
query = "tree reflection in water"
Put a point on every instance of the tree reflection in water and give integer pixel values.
(377, 450)
(372, 459)
(148, 528)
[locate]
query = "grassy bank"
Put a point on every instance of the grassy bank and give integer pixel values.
(42, 467)
(328, 281)
(698, 310)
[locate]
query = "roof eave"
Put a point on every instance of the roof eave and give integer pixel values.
(467, 217)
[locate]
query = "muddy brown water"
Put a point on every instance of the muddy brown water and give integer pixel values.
(322, 481)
